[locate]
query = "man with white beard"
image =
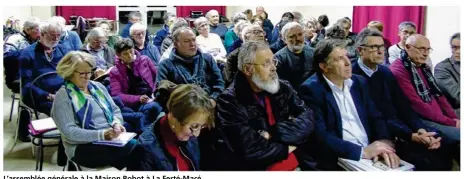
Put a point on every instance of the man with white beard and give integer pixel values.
(38, 59)
(295, 60)
(260, 119)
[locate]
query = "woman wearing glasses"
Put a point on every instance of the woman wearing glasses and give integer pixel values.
(84, 112)
(209, 42)
(95, 45)
(170, 143)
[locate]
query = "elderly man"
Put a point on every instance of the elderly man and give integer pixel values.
(188, 65)
(215, 26)
(421, 144)
(167, 45)
(280, 43)
(249, 33)
(96, 46)
(260, 118)
(69, 38)
(448, 74)
(36, 60)
(12, 48)
(347, 123)
(295, 60)
(230, 36)
(134, 17)
(138, 33)
(415, 79)
(168, 18)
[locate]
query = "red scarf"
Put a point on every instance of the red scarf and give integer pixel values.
(289, 164)
(170, 141)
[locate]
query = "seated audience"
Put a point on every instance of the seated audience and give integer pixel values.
(238, 30)
(311, 35)
(448, 74)
(261, 120)
(296, 59)
(188, 65)
(280, 43)
(209, 42)
(259, 20)
(167, 45)
(12, 47)
(323, 22)
(422, 145)
(110, 37)
(133, 80)
(231, 36)
(346, 24)
(348, 124)
(215, 26)
(95, 44)
(337, 32)
(84, 113)
(171, 144)
(36, 60)
(169, 19)
(405, 29)
(137, 33)
(417, 83)
(287, 16)
(379, 26)
(68, 37)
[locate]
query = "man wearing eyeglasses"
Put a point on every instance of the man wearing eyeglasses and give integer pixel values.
(447, 74)
(260, 119)
(419, 86)
(418, 144)
(295, 60)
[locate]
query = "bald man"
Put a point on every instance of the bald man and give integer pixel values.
(417, 83)
(215, 26)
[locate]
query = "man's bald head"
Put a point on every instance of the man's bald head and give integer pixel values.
(418, 48)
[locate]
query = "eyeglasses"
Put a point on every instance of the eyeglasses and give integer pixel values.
(257, 32)
(423, 49)
(374, 48)
(196, 127)
(268, 63)
(54, 36)
(139, 34)
(455, 47)
(99, 41)
(84, 74)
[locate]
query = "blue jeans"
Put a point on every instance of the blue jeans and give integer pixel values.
(151, 110)
(450, 132)
(94, 156)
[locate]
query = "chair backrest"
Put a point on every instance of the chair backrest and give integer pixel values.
(33, 83)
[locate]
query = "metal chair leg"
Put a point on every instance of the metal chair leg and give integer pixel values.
(41, 154)
(12, 105)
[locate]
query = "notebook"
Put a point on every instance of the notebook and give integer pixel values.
(369, 165)
(45, 124)
(120, 141)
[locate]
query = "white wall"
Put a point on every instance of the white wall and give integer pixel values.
(275, 12)
(24, 12)
(441, 22)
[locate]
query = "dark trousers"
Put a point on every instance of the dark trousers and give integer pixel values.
(94, 156)
(151, 111)
(424, 159)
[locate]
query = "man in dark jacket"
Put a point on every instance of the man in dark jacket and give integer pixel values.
(295, 60)
(448, 74)
(168, 18)
(134, 17)
(419, 144)
(36, 60)
(348, 125)
(215, 26)
(279, 44)
(260, 119)
(187, 65)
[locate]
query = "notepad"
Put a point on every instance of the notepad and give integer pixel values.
(120, 141)
(368, 165)
(43, 124)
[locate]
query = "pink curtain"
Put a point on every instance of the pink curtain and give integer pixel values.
(184, 11)
(87, 11)
(390, 16)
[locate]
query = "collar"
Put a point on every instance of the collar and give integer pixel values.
(366, 69)
(454, 61)
(346, 84)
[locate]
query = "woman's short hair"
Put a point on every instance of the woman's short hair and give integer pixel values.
(239, 27)
(256, 17)
(188, 99)
(69, 62)
(137, 26)
(238, 16)
(199, 21)
(105, 22)
(375, 24)
(96, 32)
(123, 45)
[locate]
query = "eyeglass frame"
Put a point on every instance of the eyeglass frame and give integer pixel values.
(373, 48)
(268, 63)
(84, 74)
(422, 49)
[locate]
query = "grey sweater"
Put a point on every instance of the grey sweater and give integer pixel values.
(72, 134)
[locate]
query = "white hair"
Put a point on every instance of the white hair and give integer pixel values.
(287, 28)
(249, 28)
(48, 25)
(238, 29)
(137, 26)
(96, 32)
(199, 21)
(31, 23)
(248, 52)
(60, 20)
(210, 13)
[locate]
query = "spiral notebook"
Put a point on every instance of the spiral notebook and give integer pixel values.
(369, 165)
(120, 141)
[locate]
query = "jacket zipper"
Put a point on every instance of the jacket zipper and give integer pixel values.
(187, 158)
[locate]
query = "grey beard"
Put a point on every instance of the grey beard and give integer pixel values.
(271, 86)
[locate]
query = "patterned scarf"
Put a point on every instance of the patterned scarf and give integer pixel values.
(82, 107)
(198, 75)
(419, 85)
